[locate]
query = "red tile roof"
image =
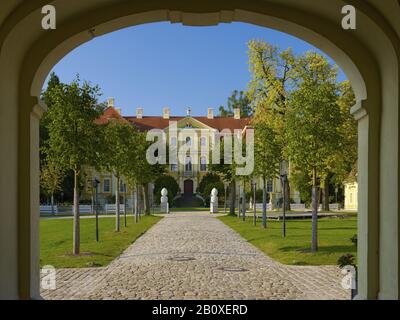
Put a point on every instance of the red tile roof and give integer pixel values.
(110, 114)
(157, 122)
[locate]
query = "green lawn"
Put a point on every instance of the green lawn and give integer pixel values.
(56, 241)
(334, 239)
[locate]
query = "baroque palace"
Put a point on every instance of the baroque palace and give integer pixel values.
(187, 175)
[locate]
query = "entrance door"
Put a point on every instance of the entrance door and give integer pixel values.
(188, 187)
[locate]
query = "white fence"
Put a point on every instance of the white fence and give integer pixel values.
(259, 206)
(110, 208)
(293, 206)
(49, 209)
(332, 206)
(297, 206)
(85, 208)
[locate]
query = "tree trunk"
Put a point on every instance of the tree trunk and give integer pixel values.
(325, 196)
(314, 243)
(133, 202)
(232, 198)
(146, 199)
(76, 233)
(124, 206)
(287, 189)
(264, 207)
(52, 204)
(117, 222)
(244, 201)
(137, 204)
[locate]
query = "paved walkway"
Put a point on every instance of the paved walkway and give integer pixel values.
(217, 264)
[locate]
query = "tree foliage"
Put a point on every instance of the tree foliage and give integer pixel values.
(313, 118)
(237, 100)
(74, 139)
(51, 178)
(168, 182)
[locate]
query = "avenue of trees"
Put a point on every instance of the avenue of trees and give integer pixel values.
(301, 114)
(72, 140)
(299, 110)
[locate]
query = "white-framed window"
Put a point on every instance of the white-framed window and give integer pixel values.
(106, 185)
(174, 167)
(351, 198)
(188, 141)
(203, 141)
(173, 142)
(270, 186)
(203, 164)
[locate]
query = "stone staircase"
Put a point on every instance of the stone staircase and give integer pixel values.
(188, 201)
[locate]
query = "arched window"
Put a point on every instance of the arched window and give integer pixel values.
(203, 164)
(188, 141)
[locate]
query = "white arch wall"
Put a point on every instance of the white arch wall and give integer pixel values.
(27, 54)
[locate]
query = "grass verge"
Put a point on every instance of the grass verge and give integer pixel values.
(56, 241)
(333, 239)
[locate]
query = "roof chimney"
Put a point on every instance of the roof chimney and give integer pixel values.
(210, 113)
(166, 113)
(110, 102)
(139, 113)
(236, 113)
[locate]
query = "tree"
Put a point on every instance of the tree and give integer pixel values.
(207, 183)
(227, 172)
(74, 138)
(268, 155)
(135, 153)
(139, 172)
(311, 127)
(344, 162)
(51, 178)
(209, 178)
(237, 100)
(273, 80)
(117, 136)
(168, 182)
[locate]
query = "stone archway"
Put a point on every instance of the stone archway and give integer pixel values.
(369, 56)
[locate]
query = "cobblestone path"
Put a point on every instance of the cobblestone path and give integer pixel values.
(196, 256)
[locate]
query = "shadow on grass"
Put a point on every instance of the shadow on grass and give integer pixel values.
(321, 249)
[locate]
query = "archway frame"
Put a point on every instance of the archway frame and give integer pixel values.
(361, 64)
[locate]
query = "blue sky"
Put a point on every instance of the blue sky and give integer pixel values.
(169, 65)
